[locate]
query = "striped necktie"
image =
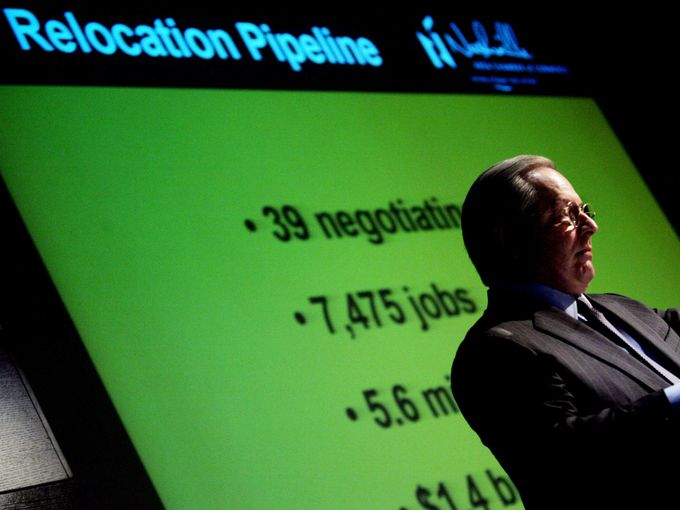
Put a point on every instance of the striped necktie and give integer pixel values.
(600, 323)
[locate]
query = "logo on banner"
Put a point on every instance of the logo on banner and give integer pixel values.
(443, 48)
(493, 56)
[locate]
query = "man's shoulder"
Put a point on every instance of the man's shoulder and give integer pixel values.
(492, 345)
(507, 315)
(626, 307)
(612, 298)
(491, 332)
(501, 327)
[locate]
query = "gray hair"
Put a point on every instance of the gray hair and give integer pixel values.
(497, 231)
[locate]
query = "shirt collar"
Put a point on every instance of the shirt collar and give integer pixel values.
(557, 298)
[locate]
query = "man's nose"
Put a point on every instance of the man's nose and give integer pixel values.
(588, 224)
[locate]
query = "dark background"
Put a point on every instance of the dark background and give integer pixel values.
(631, 68)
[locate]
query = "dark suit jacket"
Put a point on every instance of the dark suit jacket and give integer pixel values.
(575, 421)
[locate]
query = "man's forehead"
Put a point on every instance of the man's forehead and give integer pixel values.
(551, 184)
(554, 193)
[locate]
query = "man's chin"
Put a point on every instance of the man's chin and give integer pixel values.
(586, 275)
(578, 283)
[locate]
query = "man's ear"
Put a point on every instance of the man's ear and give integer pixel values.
(514, 237)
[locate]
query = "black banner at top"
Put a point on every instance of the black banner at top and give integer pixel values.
(418, 50)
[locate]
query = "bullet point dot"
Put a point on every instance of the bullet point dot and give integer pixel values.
(300, 318)
(250, 225)
(351, 413)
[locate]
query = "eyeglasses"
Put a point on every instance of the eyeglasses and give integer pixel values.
(572, 214)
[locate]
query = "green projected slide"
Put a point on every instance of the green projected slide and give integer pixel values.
(272, 284)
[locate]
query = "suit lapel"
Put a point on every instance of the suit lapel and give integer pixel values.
(642, 331)
(559, 325)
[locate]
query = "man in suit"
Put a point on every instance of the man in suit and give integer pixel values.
(580, 415)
